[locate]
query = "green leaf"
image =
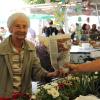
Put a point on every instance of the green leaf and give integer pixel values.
(34, 1)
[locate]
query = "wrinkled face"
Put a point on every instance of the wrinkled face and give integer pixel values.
(19, 29)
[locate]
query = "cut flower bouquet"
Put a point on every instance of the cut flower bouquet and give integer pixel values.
(51, 91)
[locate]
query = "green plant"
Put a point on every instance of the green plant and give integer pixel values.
(34, 1)
(71, 87)
(51, 91)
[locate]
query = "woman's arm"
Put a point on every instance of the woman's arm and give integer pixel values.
(86, 67)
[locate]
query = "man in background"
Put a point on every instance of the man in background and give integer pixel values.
(51, 29)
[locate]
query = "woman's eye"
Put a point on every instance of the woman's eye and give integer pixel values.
(24, 26)
(17, 26)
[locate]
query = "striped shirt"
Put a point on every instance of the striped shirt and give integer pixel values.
(17, 63)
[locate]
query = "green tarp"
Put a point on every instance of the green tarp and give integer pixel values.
(41, 16)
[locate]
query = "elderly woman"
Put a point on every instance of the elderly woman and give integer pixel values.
(18, 61)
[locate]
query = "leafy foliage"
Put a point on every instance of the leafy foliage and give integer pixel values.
(37, 1)
(34, 1)
(74, 85)
(59, 13)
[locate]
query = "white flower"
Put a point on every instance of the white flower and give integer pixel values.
(47, 86)
(54, 84)
(53, 92)
(37, 91)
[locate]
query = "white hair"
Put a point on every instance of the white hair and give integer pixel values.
(15, 16)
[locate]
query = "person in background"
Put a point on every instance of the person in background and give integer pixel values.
(93, 29)
(78, 31)
(73, 35)
(2, 33)
(94, 33)
(76, 35)
(85, 32)
(51, 29)
(45, 61)
(44, 30)
(19, 64)
(61, 31)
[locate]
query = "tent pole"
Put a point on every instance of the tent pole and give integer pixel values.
(97, 14)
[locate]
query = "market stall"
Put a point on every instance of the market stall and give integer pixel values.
(74, 85)
(83, 53)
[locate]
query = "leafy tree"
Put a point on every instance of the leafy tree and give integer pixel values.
(37, 1)
(34, 1)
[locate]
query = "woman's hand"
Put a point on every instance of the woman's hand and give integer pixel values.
(53, 74)
(64, 71)
(72, 68)
(61, 72)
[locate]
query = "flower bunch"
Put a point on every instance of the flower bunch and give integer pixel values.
(70, 87)
(51, 91)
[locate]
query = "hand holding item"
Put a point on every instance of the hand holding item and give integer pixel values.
(72, 68)
(64, 72)
(57, 73)
(61, 72)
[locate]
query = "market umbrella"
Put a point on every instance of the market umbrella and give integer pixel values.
(41, 16)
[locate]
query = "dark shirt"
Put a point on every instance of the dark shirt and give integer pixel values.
(44, 57)
(51, 30)
(45, 61)
(94, 35)
(73, 35)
